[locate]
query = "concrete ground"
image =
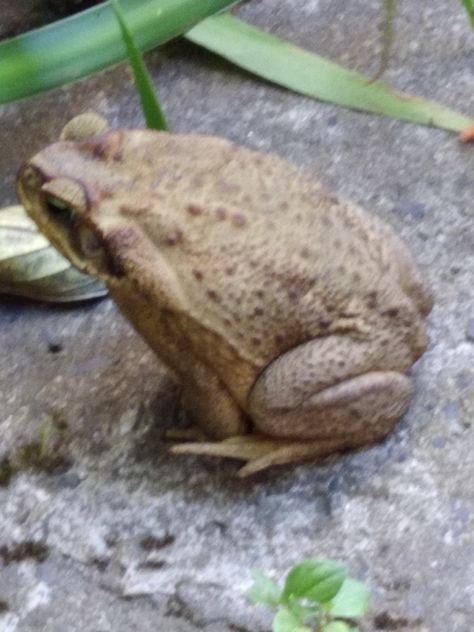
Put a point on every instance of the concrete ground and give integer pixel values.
(107, 531)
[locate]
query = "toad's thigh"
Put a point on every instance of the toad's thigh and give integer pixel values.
(330, 387)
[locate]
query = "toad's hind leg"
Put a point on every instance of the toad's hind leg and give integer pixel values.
(327, 395)
(334, 411)
(260, 452)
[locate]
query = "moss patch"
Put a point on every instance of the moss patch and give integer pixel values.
(46, 454)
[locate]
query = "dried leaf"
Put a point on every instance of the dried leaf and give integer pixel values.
(467, 135)
(31, 267)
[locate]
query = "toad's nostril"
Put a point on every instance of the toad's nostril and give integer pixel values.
(29, 180)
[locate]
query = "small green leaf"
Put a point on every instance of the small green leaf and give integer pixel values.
(337, 626)
(285, 621)
(352, 600)
(302, 613)
(264, 590)
(317, 580)
(154, 117)
(469, 6)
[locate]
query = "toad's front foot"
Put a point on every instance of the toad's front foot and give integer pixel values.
(261, 452)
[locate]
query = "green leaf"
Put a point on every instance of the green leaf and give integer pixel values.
(287, 65)
(337, 626)
(285, 621)
(302, 612)
(352, 600)
(469, 6)
(316, 580)
(264, 590)
(89, 41)
(154, 117)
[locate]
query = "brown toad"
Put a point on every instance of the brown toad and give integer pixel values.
(289, 316)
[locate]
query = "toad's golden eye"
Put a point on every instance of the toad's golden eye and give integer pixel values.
(59, 210)
(90, 245)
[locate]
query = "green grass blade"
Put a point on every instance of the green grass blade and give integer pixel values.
(469, 6)
(287, 65)
(89, 41)
(154, 117)
(389, 9)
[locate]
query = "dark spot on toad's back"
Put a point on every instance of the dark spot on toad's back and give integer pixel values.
(238, 219)
(324, 323)
(392, 313)
(213, 295)
(106, 147)
(194, 209)
(125, 209)
(99, 150)
(371, 300)
(174, 238)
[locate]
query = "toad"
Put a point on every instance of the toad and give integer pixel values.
(290, 316)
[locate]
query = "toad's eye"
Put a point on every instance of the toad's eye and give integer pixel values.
(59, 210)
(90, 245)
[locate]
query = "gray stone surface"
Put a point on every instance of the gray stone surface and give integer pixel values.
(130, 538)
